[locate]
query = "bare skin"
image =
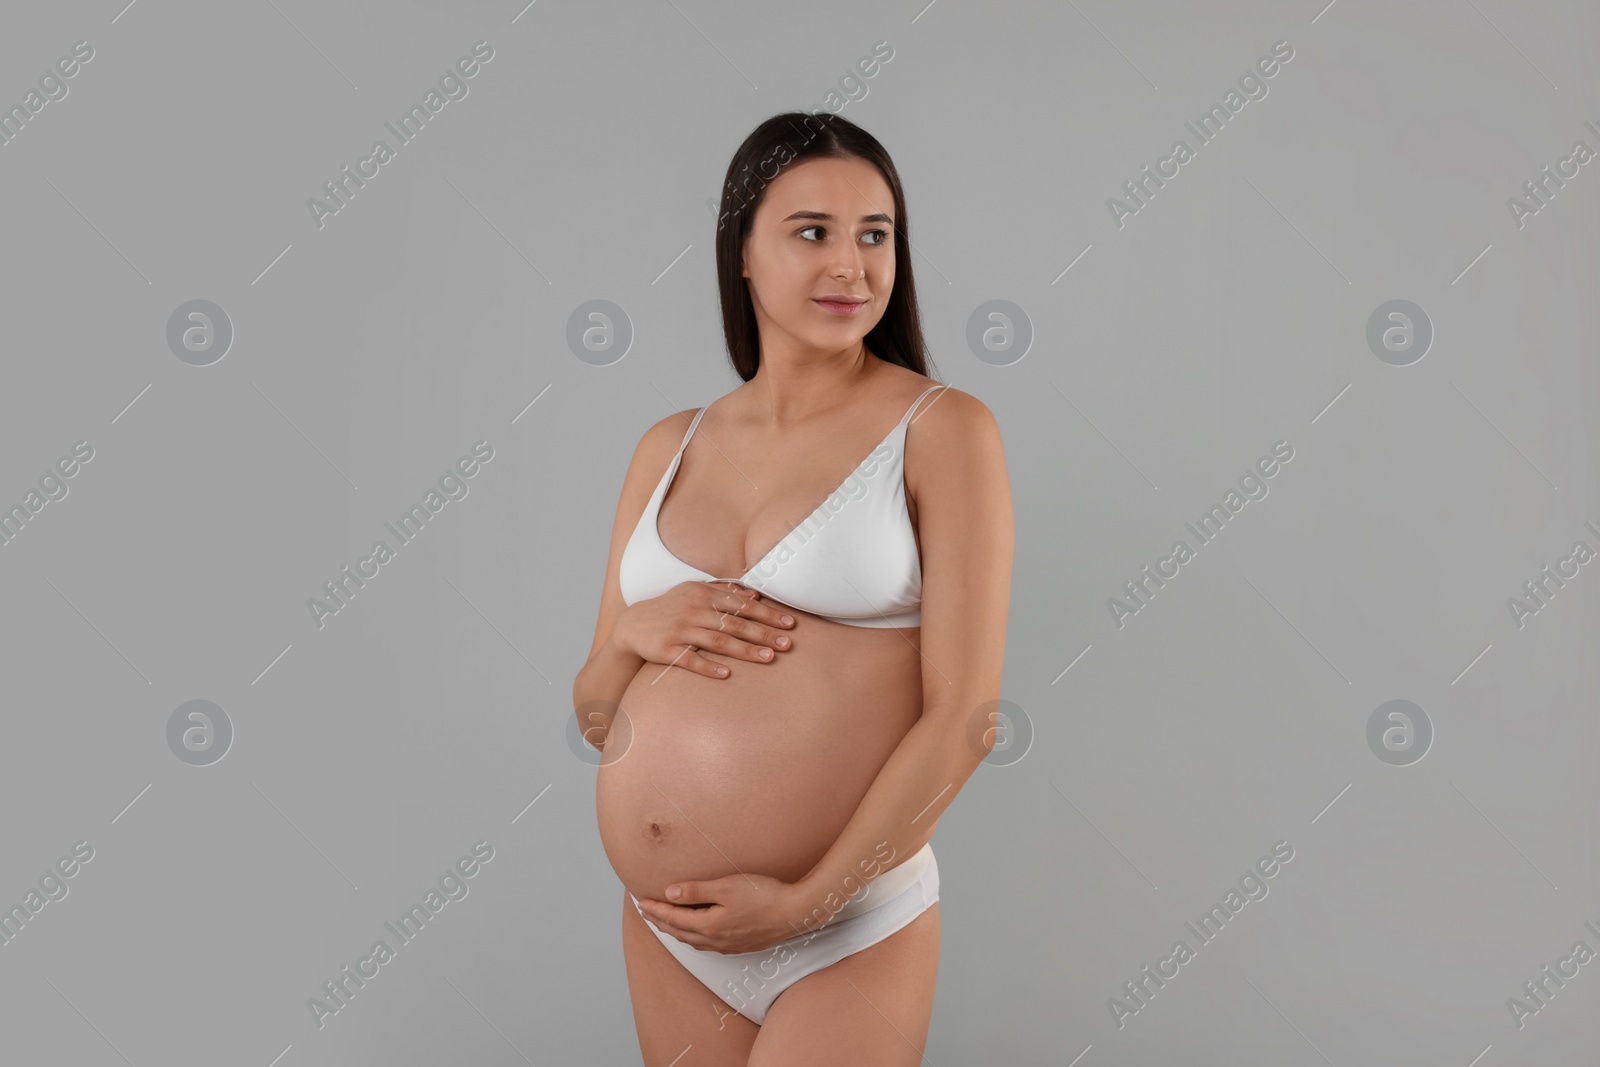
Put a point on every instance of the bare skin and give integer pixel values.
(781, 771)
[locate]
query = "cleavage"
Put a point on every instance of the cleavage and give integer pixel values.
(772, 530)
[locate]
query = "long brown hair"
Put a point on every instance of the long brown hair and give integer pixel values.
(776, 143)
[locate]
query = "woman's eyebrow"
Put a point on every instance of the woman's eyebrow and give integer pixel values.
(823, 216)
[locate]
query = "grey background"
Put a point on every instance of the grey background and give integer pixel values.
(368, 355)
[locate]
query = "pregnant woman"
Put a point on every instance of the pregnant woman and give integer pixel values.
(800, 637)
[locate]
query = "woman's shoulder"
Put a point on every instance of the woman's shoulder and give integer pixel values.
(955, 433)
(662, 438)
(950, 411)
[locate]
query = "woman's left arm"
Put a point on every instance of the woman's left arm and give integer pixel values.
(965, 523)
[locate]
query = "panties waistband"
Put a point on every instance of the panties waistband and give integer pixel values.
(888, 885)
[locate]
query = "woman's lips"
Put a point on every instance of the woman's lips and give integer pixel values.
(839, 308)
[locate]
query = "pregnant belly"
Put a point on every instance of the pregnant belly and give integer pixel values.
(758, 772)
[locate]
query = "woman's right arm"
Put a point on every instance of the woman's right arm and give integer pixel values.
(606, 674)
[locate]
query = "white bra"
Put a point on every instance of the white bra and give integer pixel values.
(853, 560)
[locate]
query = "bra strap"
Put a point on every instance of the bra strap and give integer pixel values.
(918, 400)
(692, 425)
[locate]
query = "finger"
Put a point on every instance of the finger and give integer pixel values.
(692, 660)
(757, 611)
(732, 602)
(756, 633)
(770, 613)
(685, 895)
(691, 921)
(688, 937)
(763, 627)
(724, 643)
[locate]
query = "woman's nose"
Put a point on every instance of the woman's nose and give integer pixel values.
(848, 265)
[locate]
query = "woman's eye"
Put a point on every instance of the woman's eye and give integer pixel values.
(882, 235)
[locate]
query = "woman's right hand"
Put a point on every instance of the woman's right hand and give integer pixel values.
(720, 617)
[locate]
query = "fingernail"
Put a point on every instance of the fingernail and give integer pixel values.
(782, 642)
(765, 653)
(673, 893)
(788, 620)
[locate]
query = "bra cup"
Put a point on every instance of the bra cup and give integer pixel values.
(853, 560)
(851, 563)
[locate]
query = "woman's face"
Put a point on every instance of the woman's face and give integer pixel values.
(825, 228)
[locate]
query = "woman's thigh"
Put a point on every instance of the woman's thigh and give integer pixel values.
(870, 1008)
(672, 1011)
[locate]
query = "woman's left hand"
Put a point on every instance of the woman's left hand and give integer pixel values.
(737, 913)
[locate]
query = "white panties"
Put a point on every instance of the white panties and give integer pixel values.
(750, 981)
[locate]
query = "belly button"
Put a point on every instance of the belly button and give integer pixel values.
(655, 829)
